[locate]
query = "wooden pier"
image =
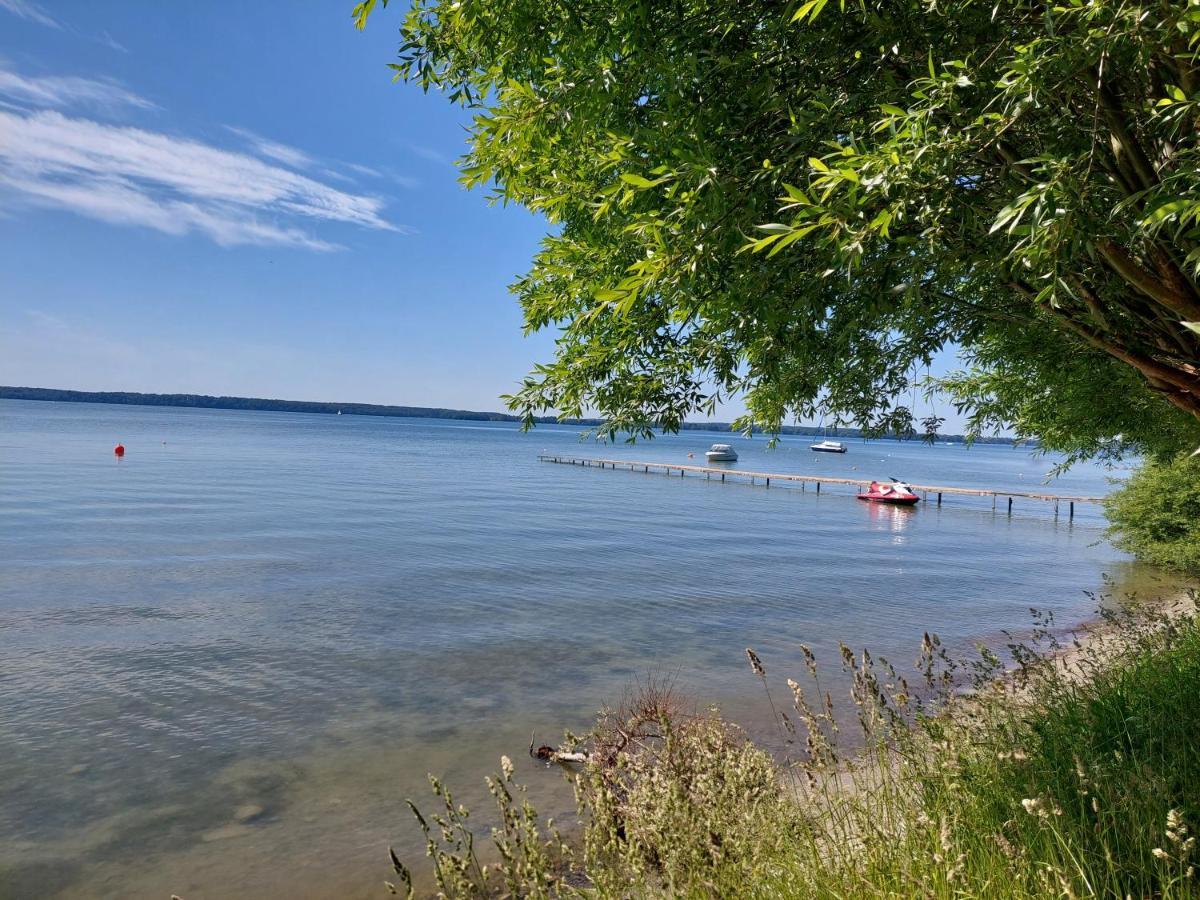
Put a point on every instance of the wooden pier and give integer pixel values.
(804, 480)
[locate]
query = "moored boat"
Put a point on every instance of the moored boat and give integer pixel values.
(828, 447)
(721, 453)
(894, 492)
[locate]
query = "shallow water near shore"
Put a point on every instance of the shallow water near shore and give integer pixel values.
(226, 659)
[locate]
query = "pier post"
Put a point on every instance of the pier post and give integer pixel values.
(1056, 509)
(768, 482)
(993, 502)
(1071, 514)
(939, 498)
(722, 476)
(1010, 506)
(818, 487)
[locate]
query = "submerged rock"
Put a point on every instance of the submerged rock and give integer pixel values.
(247, 812)
(225, 832)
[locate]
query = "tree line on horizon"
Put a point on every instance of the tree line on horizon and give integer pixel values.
(205, 401)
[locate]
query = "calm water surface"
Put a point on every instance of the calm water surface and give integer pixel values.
(227, 659)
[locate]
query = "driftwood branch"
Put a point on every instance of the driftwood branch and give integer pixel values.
(550, 754)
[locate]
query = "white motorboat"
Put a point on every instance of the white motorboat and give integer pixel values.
(828, 447)
(721, 453)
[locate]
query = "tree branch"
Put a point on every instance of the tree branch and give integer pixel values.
(1124, 142)
(1130, 271)
(1151, 368)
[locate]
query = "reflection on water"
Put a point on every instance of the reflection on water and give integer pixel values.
(891, 518)
(226, 661)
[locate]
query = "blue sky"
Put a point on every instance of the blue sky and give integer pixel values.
(231, 199)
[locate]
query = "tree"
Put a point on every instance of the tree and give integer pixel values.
(803, 202)
(1156, 514)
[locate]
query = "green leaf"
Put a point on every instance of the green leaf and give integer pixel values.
(639, 182)
(882, 222)
(759, 245)
(809, 10)
(790, 238)
(794, 194)
(362, 12)
(1169, 209)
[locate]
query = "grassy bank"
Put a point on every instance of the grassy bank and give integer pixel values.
(1071, 771)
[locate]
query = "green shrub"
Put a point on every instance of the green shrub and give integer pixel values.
(1155, 515)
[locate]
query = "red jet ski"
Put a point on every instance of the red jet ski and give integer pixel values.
(895, 492)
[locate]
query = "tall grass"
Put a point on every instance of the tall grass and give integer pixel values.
(1073, 773)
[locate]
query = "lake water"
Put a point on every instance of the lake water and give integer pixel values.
(292, 618)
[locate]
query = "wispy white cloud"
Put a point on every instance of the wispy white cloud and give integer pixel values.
(383, 174)
(46, 320)
(404, 181)
(176, 185)
(298, 159)
(364, 170)
(428, 153)
(61, 91)
(111, 42)
(289, 156)
(31, 12)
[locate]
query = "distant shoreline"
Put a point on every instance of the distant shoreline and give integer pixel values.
(260, 404)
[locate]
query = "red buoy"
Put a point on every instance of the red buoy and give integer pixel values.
(119, 450)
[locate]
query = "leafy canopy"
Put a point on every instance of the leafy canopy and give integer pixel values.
(803, 202)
